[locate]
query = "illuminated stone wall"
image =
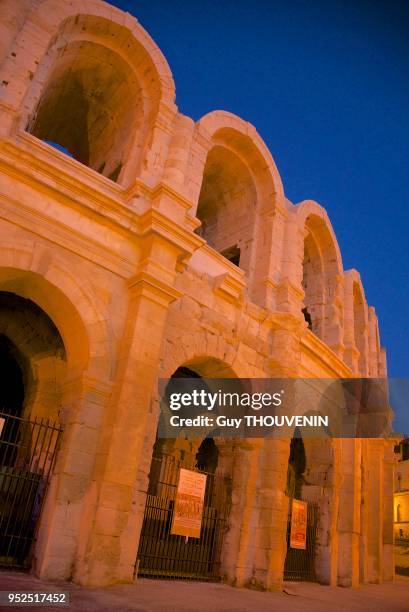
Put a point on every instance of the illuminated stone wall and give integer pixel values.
(117, 219)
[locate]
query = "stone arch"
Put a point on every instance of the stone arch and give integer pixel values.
(322, 274)
(207, 359)
(35, 344)
(231, 131)
(108, 72)
(32, 272)
(69, 304)
(317, 485)
(203, 348)
(319, 481)
(238, 185)
(198, 367)
(357, 322)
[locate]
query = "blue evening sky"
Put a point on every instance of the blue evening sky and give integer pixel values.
(326, 84)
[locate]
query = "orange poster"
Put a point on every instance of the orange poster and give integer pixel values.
(298, 535)
(188, 509)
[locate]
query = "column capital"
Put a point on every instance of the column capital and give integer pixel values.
(145, 284)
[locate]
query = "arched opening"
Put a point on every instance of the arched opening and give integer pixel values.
(296, 467)
(321, 270)
(309, 478)
(227, 206)
(164, 551)
(312, 284)
(89, 104)
(207, 456)
(31, 355)
(12, 386)
(12, 393)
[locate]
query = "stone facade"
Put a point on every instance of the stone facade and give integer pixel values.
(121, 250)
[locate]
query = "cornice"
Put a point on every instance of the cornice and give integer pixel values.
(56, 232)
(32, 162)
(153, 288)
(325, 354)
(153, 221)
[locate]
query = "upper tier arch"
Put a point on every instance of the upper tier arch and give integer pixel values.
(127, 36)
(91, 82)
(324, 233)
(227, 129)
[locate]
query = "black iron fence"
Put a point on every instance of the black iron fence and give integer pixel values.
(300, 563)
(402, 556)
(27, 453)
(162, 554)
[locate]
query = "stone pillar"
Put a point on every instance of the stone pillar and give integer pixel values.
(150, 170)
(271, 540)
(363, 559)
(373, 357)
(290, 294)
(373, 517)
(110, 548)
(375, 501)
(123, 436)
(323, 477)
(388, 564)
(270, 231)
(334, 320)
(351, 353)
(349, 513)
(240, 459)
(12, 15)
(70, 493)
(25, 53)
(179, 151)
(271, 533)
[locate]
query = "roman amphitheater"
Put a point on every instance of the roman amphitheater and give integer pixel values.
(138, 244)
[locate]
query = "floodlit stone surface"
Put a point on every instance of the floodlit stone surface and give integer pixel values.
(148, 242)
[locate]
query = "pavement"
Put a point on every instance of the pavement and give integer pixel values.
(168, 596)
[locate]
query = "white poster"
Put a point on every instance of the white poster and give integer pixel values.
(189, 502)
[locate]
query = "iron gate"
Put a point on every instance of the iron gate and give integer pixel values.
(300, 563)
(164, 555)
(27, 452)
(402, 555)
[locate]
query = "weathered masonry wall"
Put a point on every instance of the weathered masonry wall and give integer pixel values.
(151, 242)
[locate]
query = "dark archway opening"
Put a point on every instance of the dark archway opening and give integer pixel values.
(88, 104)
(227, 205)
(28, 442)
(12, 393)
(12, 388)
(301, 524)
(164, 552)
(207, 456)
(296, 467)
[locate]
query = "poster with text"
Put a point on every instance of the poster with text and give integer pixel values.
(298, 534)
(189, 502)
